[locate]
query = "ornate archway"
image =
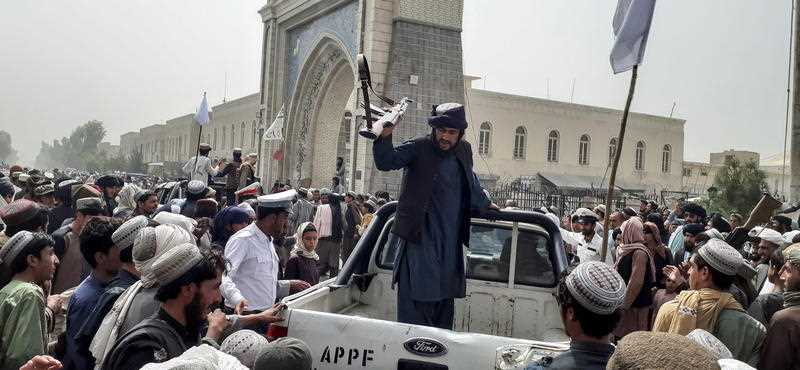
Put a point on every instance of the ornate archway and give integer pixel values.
(324, 89)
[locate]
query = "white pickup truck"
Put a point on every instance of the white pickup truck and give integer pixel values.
(508, 317)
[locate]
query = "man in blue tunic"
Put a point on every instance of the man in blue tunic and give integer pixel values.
(438, 194)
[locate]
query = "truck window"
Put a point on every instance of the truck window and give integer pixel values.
(489, 255)
(486, 244)
(533, 266)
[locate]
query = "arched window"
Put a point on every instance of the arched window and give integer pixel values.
(612, 150)
(583, 150)
(241, 142)
(666, 158)
(520, 136)
(639, 157)
(484, 139)
(552, 146)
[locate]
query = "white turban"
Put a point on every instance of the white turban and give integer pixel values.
(769, 235)
(199, 358)
(184, 222)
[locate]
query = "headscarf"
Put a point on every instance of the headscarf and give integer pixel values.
(226, 217)
(632, 240)
(299, 248)
(653, 229)
(126, 199)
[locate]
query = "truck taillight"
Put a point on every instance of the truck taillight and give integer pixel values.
(276, 331)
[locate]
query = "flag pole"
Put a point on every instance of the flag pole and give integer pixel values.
(197, 151)
(617, 153)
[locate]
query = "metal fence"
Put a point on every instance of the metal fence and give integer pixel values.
(534, 196)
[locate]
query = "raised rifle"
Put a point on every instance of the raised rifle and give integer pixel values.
(375, 117)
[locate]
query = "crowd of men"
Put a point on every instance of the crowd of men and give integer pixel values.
(96, 274)
(678, 284)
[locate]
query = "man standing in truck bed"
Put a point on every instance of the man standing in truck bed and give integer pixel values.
(438, 194)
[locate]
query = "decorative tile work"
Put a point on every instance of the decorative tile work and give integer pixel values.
(342, 23)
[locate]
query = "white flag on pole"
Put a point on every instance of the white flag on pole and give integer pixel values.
(202, 115)
(631, 27)
(275, 130)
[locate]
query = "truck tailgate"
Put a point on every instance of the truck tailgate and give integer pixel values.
(351, 342)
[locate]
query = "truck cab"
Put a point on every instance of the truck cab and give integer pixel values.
(509, 315)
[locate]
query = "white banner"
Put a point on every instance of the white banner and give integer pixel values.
(631, 27)
(275, 130)
(202, 117)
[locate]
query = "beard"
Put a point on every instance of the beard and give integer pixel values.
(195, 313)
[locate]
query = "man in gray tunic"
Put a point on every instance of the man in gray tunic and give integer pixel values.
(438, 195)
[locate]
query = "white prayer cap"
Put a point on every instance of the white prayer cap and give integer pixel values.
(175, 262)
(710, 342)
(126, 233)
(195, 187)
(597, 287)
(721, 256)
(245, 345)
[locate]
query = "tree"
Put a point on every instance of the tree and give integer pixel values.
(7, 151)
(136, 162)
(738, 187)
(79, 150)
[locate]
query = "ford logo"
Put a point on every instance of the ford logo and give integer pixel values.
(425, 347)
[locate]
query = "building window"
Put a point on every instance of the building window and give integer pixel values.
(583, 150)
(519, 142)
(224, 137)
(484, 139)
(215, 138)
(253, 138)
(666, 158)
(243, 131)
(233, 136)
(612, 150)
(552, 146)
(639, 157)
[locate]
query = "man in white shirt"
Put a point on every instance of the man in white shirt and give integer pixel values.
(251, 283)
(587, 243)
(201, 167)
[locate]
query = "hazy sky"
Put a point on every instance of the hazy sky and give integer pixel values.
(136, 63)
